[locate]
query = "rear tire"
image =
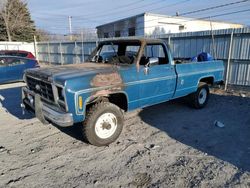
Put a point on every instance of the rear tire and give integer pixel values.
(200, 98)
(103, 124)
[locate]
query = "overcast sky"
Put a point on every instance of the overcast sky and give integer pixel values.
(52, 15)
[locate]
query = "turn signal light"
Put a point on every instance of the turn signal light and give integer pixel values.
(80, 102)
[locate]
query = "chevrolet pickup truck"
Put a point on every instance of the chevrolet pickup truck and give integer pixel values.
(120, 76)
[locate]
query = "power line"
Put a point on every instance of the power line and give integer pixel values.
(209, 12)
(171, 5)
(225, 14)
(75, 18)
(208, 17)
(213, 7)
(199, 10)
(202, 18)
(116, 8)
(174, 16)
(190, 12)
(118, 11)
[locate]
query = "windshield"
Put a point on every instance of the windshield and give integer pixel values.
(116, 53)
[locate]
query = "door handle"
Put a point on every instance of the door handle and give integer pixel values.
(168, 68)
(146, 70)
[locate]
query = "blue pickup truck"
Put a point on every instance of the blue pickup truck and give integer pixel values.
(120, 76)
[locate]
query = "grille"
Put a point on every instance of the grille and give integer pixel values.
(44, 89)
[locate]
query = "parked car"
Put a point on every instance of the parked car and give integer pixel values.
(19, 53)
(98, 92)
(12, 68)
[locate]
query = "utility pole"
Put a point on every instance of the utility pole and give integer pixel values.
(82, 46)
(213, 43)
(229, 59)
(70, 27)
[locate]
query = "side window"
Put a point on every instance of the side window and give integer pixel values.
(154, 51)
(108, 51)
(10, 61)
(132, 50)
(3, 62)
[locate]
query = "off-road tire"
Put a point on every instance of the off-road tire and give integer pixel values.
(195, 98)
(93, 114)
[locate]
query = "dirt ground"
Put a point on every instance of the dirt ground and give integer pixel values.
(166, 145)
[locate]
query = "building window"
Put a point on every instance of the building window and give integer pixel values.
(106, 35)
(117, 33)
(131, 31)
(181, 27)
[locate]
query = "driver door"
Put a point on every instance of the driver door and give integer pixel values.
(158, 79)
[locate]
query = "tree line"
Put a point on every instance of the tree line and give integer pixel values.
(15, 21)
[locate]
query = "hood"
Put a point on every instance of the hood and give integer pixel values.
(65, 72)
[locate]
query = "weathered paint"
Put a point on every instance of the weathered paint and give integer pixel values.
(162, 83)
(106, 79)
(183, 45)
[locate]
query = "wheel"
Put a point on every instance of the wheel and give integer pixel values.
(103, 124)
(200, 98)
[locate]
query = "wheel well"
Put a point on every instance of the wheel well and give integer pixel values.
(208, 80)
(119, 99)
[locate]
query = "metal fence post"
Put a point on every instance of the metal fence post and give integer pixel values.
(82, 47)
(213, 42)
(228, 61)
(36, 49)
(49, 53)
(61, 55)
(75, 53)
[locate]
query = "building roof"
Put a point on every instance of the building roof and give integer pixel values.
(142, 14)
(162, 15)
(134, 39)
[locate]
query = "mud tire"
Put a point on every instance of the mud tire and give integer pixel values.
(200, 98)
(92, 122)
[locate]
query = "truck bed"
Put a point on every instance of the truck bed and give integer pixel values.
(189, 75)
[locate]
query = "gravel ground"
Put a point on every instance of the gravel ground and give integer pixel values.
(166, 145)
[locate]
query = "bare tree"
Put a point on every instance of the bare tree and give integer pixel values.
(43, 35)
(16, 18)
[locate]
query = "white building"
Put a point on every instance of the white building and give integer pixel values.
(147, 24)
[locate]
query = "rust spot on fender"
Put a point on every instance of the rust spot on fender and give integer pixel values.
(107, 79)
(112, 81)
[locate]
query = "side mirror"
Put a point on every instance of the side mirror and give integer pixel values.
(152, 61)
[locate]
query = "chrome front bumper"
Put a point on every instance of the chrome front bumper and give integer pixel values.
(44, 111)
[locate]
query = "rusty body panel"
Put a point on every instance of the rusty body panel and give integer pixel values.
(118, 73)
(106, 79)
(112, 82)
(92, 80)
